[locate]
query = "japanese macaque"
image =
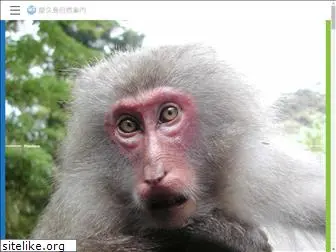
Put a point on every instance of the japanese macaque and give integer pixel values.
(168, 150)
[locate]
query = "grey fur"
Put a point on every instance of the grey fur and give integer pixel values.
(252, 182)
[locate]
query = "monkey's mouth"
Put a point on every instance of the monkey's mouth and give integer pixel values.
(163, 203)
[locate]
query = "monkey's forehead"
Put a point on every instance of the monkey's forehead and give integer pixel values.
(128, 73)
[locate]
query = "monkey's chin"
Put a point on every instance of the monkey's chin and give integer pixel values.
(174, 217)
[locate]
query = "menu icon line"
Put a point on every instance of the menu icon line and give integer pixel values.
(14, 10)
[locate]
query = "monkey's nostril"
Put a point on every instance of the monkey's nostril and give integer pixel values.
(155, 179)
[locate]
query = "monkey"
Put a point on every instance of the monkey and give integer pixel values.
(168, 149)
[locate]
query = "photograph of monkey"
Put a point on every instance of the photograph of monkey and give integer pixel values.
(155, 148)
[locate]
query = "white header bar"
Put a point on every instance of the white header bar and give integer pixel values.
(155, 10)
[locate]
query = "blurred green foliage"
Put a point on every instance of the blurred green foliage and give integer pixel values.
(302, 115)
(38, 58)
(314, 136)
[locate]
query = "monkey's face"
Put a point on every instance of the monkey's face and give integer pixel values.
(172, 121)
(154, 131)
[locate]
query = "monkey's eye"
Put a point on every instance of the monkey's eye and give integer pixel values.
(168, 113)
(128, 125)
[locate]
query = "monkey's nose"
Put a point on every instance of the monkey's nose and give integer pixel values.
(154, 176)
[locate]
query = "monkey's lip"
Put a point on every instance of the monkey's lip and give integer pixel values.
(166, 202)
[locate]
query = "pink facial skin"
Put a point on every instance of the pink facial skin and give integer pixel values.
(157, 150)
